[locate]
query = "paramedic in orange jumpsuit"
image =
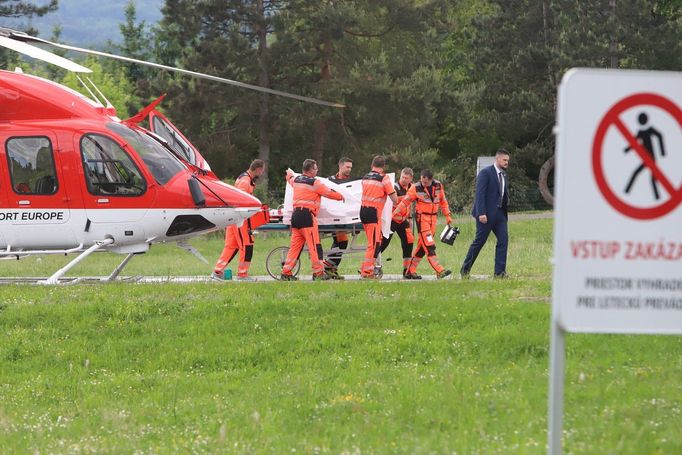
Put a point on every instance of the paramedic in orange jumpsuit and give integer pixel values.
(429, 195)
(240, 239)
(307, 194)
(340, 237)
(402, 227)
(376, 186)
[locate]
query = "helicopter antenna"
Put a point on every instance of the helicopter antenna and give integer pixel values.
(25, 37)
(100, 92)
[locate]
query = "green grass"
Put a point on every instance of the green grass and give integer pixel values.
(337, 367)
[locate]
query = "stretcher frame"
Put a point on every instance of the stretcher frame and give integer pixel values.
(274, 261)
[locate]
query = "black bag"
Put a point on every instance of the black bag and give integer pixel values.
(449, 234)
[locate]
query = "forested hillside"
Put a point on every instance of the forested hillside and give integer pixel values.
(430, 83)
(87, 22)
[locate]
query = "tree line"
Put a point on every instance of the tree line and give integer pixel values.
(428, 83)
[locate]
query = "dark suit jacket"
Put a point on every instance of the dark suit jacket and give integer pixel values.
(488, 194)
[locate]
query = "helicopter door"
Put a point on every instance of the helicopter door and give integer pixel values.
(160, 125)
(116, 194)
(38, 203)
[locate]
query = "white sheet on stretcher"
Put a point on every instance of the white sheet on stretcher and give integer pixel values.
(337, 212)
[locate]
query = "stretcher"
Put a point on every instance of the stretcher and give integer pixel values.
(274, 261)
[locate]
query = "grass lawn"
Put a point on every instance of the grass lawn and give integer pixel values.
(336, 367)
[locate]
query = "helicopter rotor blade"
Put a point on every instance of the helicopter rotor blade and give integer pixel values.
(42, 54)
(25, 37)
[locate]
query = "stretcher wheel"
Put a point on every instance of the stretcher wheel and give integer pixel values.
(275, 262)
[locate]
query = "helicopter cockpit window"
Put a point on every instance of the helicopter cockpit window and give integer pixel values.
(160, 161)
(109, 171)
(175, 141)
(31, 165)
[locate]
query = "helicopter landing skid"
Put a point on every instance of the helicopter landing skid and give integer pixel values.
(54, 279)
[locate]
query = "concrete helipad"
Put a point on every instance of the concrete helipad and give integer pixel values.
(207, 279)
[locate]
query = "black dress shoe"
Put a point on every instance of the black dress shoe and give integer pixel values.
(464, 274)
(500, 276)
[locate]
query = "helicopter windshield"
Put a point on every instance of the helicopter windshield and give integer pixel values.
(160, 162)
(175, 141)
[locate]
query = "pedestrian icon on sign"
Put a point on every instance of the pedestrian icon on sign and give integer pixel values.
(617, 181)
(645, 137)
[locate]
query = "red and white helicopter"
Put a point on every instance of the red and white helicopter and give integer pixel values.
(74, 178)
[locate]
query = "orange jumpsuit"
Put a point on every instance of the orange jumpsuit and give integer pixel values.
(402, 227)
(238, 239)
(307, 194)
(340, 238)
(429, 199)
(375, 188)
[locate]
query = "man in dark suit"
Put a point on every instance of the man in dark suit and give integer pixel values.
(490, 211)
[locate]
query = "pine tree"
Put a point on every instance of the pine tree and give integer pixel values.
(228, 39)
(19, 8)
(380, 57)
(511, 54)
(16, 9)
(135, 42)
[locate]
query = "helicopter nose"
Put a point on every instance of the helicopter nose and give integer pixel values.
(220, 194)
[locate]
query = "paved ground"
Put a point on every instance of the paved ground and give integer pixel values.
(531, 216)
(387, 277)
(514, 216)
(207, 279)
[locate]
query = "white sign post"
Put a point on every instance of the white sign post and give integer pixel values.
(618, 223)
(484, 161)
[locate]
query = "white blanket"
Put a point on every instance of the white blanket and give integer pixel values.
(337, 212)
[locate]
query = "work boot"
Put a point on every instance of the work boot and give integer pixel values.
(443, 273)
(412, 276)
(368, 276)
(284, 277)
(378, 272)
(321, 277)
(217, 276)
(333, 274)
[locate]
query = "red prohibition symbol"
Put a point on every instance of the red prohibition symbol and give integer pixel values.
(612, 119)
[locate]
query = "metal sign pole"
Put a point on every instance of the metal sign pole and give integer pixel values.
(556, 388)
(610, 280)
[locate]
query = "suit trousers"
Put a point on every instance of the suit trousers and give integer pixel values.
(498, 226)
